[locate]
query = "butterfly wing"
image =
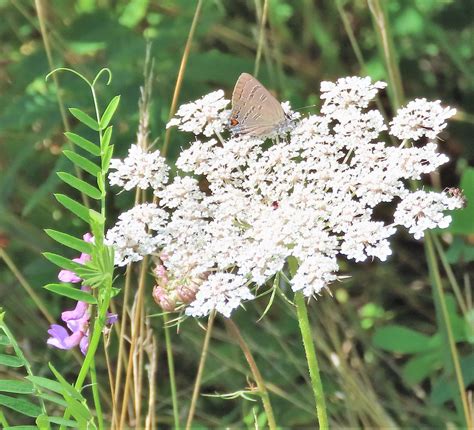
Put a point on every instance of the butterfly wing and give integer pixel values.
(255, 112)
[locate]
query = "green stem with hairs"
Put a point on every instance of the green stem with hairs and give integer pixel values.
(312, 360)
(170, 359)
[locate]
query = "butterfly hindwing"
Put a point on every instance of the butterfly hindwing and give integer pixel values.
(255, 112)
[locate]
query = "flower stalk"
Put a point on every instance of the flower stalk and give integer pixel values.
(312, 361)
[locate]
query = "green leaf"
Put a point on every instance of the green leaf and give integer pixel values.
(85, 118)
(109, 112)
(4, 340)
(14, 386)
(54, 399)
(106, 158)
(443, 388)
(46, 383)
(460, 251)
(63, 422)
(62, 262)
(10, 361)
(106, 137)
(76, 208)
(80, 185)
(20, 405)
(73, 398)
(21, 428)
(83, 143)
(73, 293)
(421, 366)
(82, 162)
(70, 241)
(401, 339)
(42, 422)
(67, 388)
(78, 411)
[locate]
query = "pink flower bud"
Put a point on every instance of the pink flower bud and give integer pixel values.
(160, 272)
(186, 293)
(163, 299)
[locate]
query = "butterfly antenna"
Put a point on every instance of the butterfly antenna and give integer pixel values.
(305, 107)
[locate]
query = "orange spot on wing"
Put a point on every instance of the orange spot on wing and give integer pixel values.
(233, 122)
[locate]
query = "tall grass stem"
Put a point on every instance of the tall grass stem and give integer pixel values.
(447, 328)
(202, 362)
(182, 68)
(267, 406)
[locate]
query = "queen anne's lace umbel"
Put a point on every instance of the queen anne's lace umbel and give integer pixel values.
(310, 197)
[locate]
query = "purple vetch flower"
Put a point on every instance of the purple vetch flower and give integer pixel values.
(68, 275)
(60, 337)
(77, 319)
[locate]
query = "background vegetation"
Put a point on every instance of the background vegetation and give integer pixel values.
(384, 355)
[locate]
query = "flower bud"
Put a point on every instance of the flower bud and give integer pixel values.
(163, 299)
(186, 293)
(160, 274)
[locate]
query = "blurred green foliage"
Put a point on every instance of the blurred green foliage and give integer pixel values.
(397, 378)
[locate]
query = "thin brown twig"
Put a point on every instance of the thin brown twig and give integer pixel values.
(142, 142)
(235, 334)
(263, 21)
(202, 362)
(152, 353)
(27, 287)
(133, 343)
(182, 68)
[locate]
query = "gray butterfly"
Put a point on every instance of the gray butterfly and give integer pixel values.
(255, 112)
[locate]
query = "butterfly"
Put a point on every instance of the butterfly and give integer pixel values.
(255, 112)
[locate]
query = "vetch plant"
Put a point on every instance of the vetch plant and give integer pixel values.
(94, 268)
(77, 320)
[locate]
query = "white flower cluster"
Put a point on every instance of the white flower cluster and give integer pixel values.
(422, 210)
(139, 170)
(420, 118)
(139, 232)
(205, 115)
(309, 197)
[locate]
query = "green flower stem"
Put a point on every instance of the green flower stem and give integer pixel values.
(311, 360)
(96, 396)
(446, 324)
(96, 336)
(235, 332)
(170, 359)
(89, 362)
